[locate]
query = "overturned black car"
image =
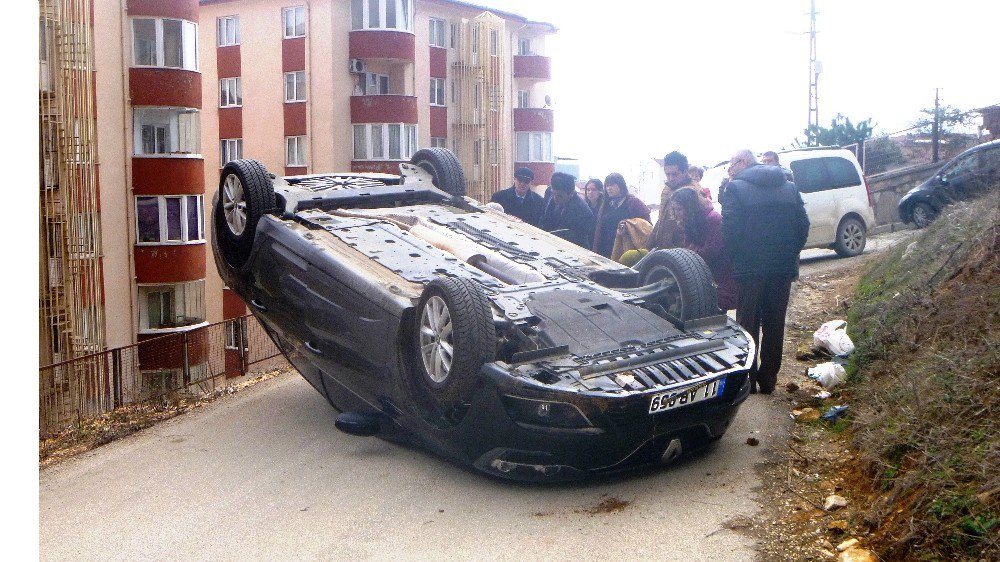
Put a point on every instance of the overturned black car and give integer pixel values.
(421, 315)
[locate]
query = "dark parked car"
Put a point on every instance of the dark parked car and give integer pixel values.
(967, 175)
(423, 316)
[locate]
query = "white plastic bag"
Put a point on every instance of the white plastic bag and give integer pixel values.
(827, 374)
(832, 336)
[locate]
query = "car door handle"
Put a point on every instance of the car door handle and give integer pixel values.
(313, 348)
(254, 303)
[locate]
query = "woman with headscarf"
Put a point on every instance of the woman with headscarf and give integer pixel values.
(619, 205)
(703, 235)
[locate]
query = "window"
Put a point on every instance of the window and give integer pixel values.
(374, 84)
(494, 97)
(821, 174)
(524, 46)
(229, 150)
(295, 86)
(454, 91)
(229, 31)
(236, 335)
(165, 43)
(171, 306)
(494, 42)
(169, 219)
(384, 141)
(522, 98)
(439, 142)
(436, 32)
(534, 147)
(456, 40)
(295, 151)
(230, 92)
(383, 14)
(437, 91)
(295, 21)
(166, 131)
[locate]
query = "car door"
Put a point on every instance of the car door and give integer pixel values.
(825, 183)
(813, 180)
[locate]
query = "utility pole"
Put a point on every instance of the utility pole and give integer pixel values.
(936, 127)
(814, 69)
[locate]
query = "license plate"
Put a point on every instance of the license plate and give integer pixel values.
(685, 396)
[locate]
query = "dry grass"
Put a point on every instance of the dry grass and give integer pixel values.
(924, 383)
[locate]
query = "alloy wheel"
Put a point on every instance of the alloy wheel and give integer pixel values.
(234, 204)
(853, 237)
(436, 345)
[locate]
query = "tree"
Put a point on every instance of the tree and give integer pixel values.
(949, 119)
(881, 154)
(841, 132)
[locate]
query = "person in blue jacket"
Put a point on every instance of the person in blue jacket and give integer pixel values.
(566, 214)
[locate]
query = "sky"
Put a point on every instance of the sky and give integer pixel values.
(633, 80)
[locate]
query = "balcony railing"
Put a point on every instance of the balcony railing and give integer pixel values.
(383, 109)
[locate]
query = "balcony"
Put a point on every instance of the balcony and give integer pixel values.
(384, 109)
(532, 67)
(165, 87)
(533, 119)
(382, 44)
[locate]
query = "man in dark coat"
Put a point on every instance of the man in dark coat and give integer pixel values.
(519, 200)
(566, 214)
(765, 226)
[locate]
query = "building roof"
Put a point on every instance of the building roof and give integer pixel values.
(548, 26)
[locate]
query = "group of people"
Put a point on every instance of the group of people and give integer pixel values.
(752, 247)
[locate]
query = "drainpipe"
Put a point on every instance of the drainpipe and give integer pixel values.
(126, 52)
(311, 99)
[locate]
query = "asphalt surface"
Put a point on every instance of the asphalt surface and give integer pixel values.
(264, 475)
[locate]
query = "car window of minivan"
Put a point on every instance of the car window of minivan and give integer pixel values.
(820, 174)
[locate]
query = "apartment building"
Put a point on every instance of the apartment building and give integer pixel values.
(143, 101)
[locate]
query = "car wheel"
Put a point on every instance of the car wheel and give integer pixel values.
(245, 195)
(923, 214)
(851, 237)
(455, 336)
(691, 293)
(444, 168)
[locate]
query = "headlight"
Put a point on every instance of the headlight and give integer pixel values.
(545, 412)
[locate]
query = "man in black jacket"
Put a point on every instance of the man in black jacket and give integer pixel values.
(566, 214)
(765, 225)
(519, 200)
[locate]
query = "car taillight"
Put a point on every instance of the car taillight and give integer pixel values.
(868, 190)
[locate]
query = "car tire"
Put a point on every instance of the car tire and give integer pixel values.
(694, 293)
(245, 195)
(444, 168)
(454, 337)
(851, 237)
(923, 214)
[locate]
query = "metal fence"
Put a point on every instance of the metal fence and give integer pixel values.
(193, 363)
(909, 148)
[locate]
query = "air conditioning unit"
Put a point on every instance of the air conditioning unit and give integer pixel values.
(357, 66)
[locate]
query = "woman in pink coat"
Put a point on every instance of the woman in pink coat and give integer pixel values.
(703, 235)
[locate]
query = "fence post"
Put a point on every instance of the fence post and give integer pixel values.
(242, 344)
(116, 376)
(187, 365)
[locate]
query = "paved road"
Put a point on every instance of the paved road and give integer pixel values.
(818, 261)
(264, 475)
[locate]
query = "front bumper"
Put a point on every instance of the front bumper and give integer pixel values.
(624, 435)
